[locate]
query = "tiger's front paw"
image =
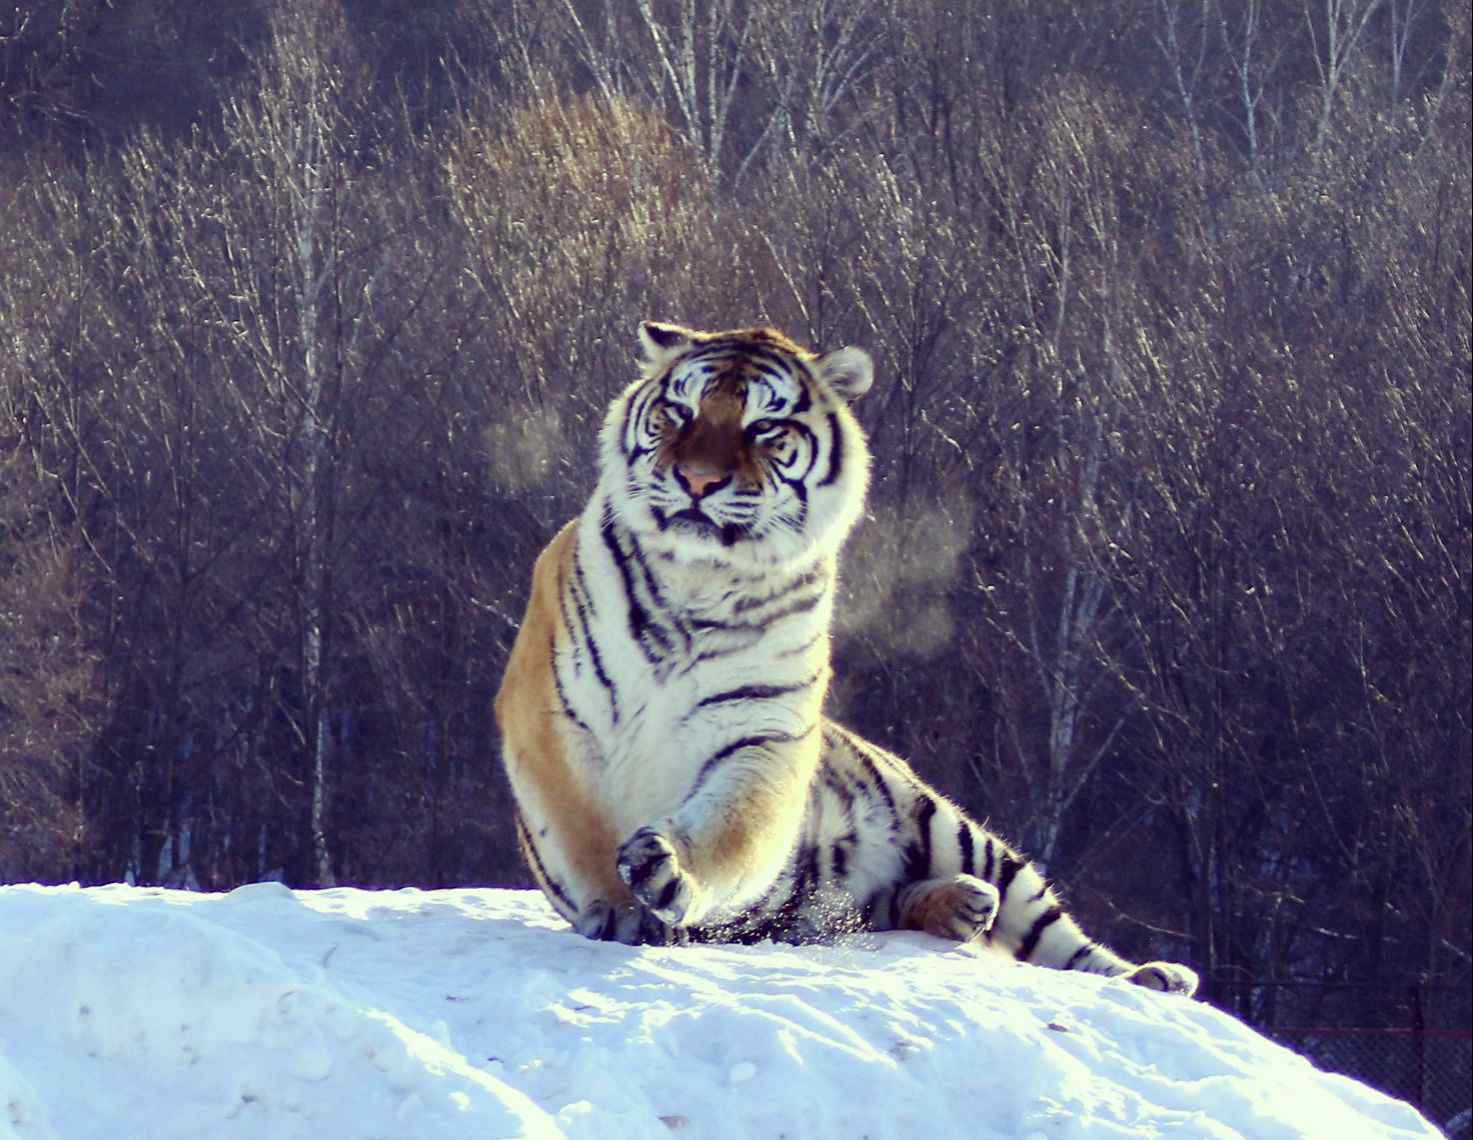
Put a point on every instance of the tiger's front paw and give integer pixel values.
(1168, 977)
(631, 925)
(649, 863)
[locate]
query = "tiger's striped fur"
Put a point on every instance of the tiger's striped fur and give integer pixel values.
(661, 713)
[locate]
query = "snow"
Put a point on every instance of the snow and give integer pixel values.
(270, 1014)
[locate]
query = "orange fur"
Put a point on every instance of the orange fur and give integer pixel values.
(749, 819)
(535, 735)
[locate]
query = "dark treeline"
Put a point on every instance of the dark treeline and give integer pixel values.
(309, 312)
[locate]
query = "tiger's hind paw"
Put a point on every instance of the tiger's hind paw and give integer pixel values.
(960, 908)
(1168, 977)
(633, 925)
(649, 863)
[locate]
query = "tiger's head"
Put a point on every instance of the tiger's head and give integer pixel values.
(738, 447)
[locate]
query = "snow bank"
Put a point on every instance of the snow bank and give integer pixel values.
(268, 1013)
(141, 1013)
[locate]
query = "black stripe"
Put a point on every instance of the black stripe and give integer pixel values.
(805, 396)
(737, 745)
(562, 693)
(833, 782)
(925, 812)
(765, 907)
(878, 758)
(729, 750)
(801, 606)
(760, 627)
(638, 875)
(917, 854)
(755, 693)
(549, 885)
(808, 869)
(836, 454)
(713, 348)
(964, 841)
(778, 918)
(562, 605)
(642, 628)
(766, 621)
(736, 645)
(787, 468)
(650, 583)
(594, 656)
(1035, 932)
(757, 351)
(1007, 871)
(1083, 952)
(884, 789)
(771, 371)
(987, 866)
(634, 410)
(797, 583)
(803, 648)
(657, 597)
(742, 640)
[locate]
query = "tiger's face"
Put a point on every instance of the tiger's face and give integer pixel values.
(738, 447)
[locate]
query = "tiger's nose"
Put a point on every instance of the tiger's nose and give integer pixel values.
(699, 479)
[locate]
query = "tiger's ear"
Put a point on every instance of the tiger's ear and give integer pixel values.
(848, 371)
(661, 343)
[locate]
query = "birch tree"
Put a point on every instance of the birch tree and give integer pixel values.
(1064, 483)
(1404, 20)
(1337, 31)
(734, 77)
(690, 58)
(816, 58)
(1253, 61)
(302, 258)
(50, 704)
(1184, 40)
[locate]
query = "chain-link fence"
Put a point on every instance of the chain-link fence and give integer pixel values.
(1421, 1052)
(1431, 1068)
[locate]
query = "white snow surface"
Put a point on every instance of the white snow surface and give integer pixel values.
(271, 1014)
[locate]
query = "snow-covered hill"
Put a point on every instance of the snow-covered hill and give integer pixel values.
(268, 1014)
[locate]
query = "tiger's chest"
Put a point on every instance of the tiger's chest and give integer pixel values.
(661, 688)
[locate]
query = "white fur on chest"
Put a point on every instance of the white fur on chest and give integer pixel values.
(675, 712)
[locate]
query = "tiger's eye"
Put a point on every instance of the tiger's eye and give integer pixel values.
(671, 415)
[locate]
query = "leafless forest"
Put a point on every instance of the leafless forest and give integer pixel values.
(309, 311)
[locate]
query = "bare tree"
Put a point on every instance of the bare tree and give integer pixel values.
(50, 702)
(735, 77)
(691, 58)
(816, 58)
(303, 251)
(1254, 61)
(1336, 29)
(1176, 30)
(1404, 19)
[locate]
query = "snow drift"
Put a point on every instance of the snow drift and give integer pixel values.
(270, 1014)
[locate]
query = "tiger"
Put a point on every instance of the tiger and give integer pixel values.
(674, 775)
